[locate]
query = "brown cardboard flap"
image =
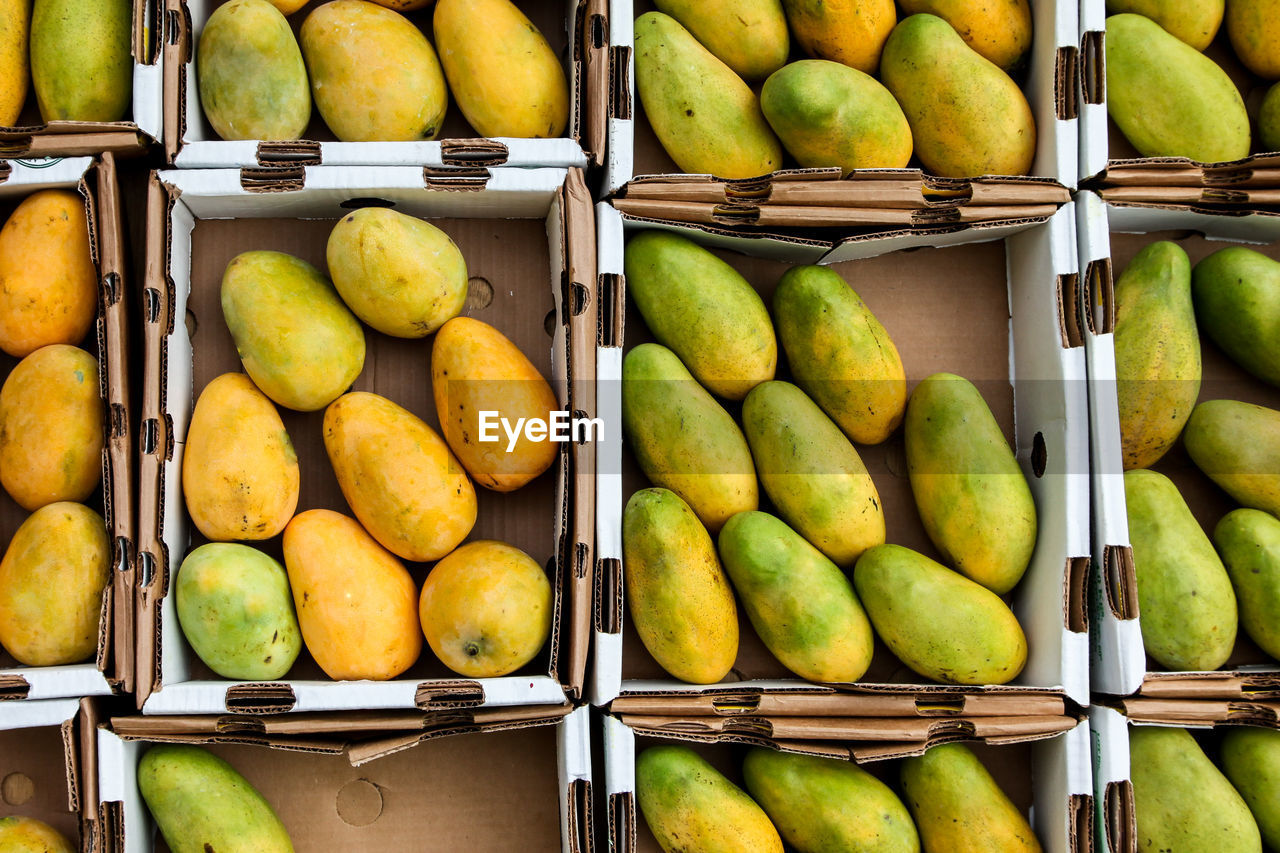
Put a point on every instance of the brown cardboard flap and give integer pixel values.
(1211, 685)
(13, 686)
(1121, 580)
(1193, 195)
(858, 191)
(798, 216)
(480, 721)
(731, 703)
(49, 143)
(1092, 62)
(87, 781)
(1080, 813)
(596, 96)
(1201, 712)
(925, 731)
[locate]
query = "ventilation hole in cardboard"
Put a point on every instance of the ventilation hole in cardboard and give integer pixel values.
(895, 457)
(359, 803)
(356, 203)
(16, 789)
(151, 300)
(1039, 455)
(549, 323)
(479, 294)
(192, 325)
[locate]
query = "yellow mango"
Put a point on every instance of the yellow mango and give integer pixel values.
(1254, 28)
(1195, 22)
(15, 70)
(999, 30)
(399, 476)
(506, 78)
(288, 7)
(48, 283)
(404, 5)
(851, 32)
(356, 603)
(28, 835)
(749, 36)
(239, 470)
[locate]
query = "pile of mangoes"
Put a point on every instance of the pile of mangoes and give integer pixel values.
(944, 86)
(796, 441)
(486, 606)
(372, 73)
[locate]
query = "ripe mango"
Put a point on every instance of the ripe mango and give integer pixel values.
(51, 427)
(689, 805)
(1237, 300)
(967, 117)
(1184, 594)
(704, 115)
(682, 439)
(703, 310)
(1248, 540)
(15, 69)
(826, 805)
(1000, 31)
(51, 582)
(677, 592)
(506, 78)
(972, 496)
(486, 609)
(81, 60)
(851, 32)
(253, 84)
(404, 5)
(959, 808)
(749, 36)
(1254, 29)
(1250, 759)
(800, 603)
(374, 75)
(840, 354)
(1195, 22)
(941, 624)
(1167, 98)
(298, 342)
(1237, 445)
(1180, 800)
(28, 835)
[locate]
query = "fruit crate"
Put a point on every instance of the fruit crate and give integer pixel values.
(47, 765)
(527, 240)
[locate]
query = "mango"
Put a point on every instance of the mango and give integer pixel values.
(827, 805)
(81, 59)
(356, 603)
(298, 342)
(811, 472)
(476, 369)
(1254, 29)
(959, 808)
(705, 116)
(1237, 445)
(28, 835)
(1248, 540)
(999, 31)
(1157, 352)
(288, 7)
(682, 439)
(51, 427)
(1269, 120)
(851, 32)
(677, 592)
(486, 609)
(800, 603)
(1195, 22)
(1184, 594)
(48, 281)
(968, 118)
(972, 495)
(399, 274)
(52, 580)
(506, 78)
(235, 610)
(689, 805)
(15, 69)
(1236, 292)
(840, 354)
(374, 75)
(750, 37)
(1181, 801)
(1167, 98)
(253, 84)
(941, 624)
(1250, 759)
(399, 477)
(703, 310)
(200, 803)
(240, 475)
(404, 5)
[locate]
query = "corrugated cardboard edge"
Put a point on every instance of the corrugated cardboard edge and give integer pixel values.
(728, 702)
(72, 718)
(807, 216)
(595, 41)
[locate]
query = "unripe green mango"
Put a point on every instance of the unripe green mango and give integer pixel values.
(1167, 98)
(811, 472)
(1157, 352)
(941, 624)
(1180, 800)
(1184, 594)
(1195, 22)
(968, 118)
(1237, 299)
(1000, 30)
(826, 805)
(1254, 29)
(702, 310)
(1237, 445)
(682, 439)
(1248, 541)
(201, 803)
(1250, 758)
(81, 59)
(749, 36)
(1269, 120)
(800, 603)
(972, 496)
(704, 115)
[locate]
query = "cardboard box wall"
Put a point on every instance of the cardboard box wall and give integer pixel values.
(48, 764)
(528, 241)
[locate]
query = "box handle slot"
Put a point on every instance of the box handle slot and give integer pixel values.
(609, 596)
(1122, 826)
(1120, 581)
(1064, 83)
(580, 816)
(5, 171)
(620, 82)
(611, 289)
(1100, 302)
(358, 203)
(622, 823)
(1081, 809)
(736, 703)
(444, 695)
(1069, 310)
(473, 153)
(1039, 455)
(1077, 603)
(273, 698)
(939, 705)
(1093, 69)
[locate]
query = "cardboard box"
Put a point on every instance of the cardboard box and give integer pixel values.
(528, 242)
(474, 784)
(1110, 235)
(992, 303)
(112, 666)
(48, 764)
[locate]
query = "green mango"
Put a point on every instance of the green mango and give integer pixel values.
(1237, 298)
(1248, 541)
(800, 603)
(1237, 445)
(1195, 22)
(1169, 99)
(811, 472)
(1269, 120)
(201, 804)
(1184, 594)
(81, 59)
(1181, 801)
(749, 36)
(941, 624)
(1250, 758)
(972, 496)
(826, 805)
(703, 310)
(959, 808)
